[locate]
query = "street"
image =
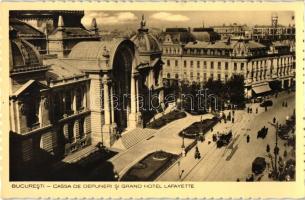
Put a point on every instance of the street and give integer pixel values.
(234, 161)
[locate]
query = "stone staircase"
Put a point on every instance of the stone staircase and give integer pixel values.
(136, 135)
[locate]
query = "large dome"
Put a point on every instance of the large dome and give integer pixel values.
(144, 41)
(22, 53)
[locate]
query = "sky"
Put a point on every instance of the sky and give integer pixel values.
(162, 19)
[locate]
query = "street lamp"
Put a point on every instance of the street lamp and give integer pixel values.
(183, 153)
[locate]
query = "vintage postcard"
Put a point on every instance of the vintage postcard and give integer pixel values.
(142, 100)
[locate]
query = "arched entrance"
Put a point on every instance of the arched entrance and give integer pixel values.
(123, 69)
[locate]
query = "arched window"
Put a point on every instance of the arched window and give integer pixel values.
(176, 76)
(168, 75)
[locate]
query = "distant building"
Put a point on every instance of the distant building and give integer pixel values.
(233, 30)
(198, 61)
(273, 32)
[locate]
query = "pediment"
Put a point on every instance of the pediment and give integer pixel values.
(30, 86)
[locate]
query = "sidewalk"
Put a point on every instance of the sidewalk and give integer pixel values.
(166, 139)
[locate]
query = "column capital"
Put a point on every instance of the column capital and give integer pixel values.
(135, 74)
(106, 79)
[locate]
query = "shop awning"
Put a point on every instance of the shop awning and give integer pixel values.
(261, 89)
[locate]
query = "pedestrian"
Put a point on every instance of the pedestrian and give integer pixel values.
(268, 148)
(283, 104)
(256, 110)
(237, 180)
(248, 138)
(233, 112)
(274, 120)
(233, 120)
(266, 108)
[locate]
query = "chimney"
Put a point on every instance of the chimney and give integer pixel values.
(60, 23)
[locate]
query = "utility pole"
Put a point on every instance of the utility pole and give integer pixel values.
(276, 149)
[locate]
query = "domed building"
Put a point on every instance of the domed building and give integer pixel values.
(150, 69)
(61, 105)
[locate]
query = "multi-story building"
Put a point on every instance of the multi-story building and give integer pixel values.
(199, 61)
(274, 31)
(60, 105)
(233, 30)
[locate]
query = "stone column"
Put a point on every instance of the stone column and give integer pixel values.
(76, 130)
(111, 103)
(137, 93)
(107, 127)
(66, 131)
(106, 100)
(74, 101)
(133, 94)
(40, 111)
(84, 89)
(132, 121)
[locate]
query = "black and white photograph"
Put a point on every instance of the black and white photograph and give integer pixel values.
(150, 95)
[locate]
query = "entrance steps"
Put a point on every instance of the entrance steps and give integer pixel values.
(135, 136)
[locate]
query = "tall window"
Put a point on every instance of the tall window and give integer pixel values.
(81, 128)
(198, 64)
(191, 75)
(68, 102)
(235, 66)
(70, 132)
(226, 66)
(241, 66)
(212, 76)
(204, 64)
(168, 63)
(30, 109)
(79, 99)
(191, 63)
(219, 65)
(184, 63)
(212, 65)
(219, 77)
(204, 76)
(176, 63)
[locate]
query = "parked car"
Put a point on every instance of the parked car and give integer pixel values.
(266, 103)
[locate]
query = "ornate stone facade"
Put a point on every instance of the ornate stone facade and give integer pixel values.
(60, 105)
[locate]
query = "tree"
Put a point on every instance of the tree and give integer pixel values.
(235, 86)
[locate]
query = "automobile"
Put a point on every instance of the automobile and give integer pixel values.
(258, 100)
(262, 133)
(258, 165)
(266, 103)
(224, 139)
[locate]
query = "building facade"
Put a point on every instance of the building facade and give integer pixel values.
(61, 105)
(274, 32)
(200, 61)
(232, 30)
